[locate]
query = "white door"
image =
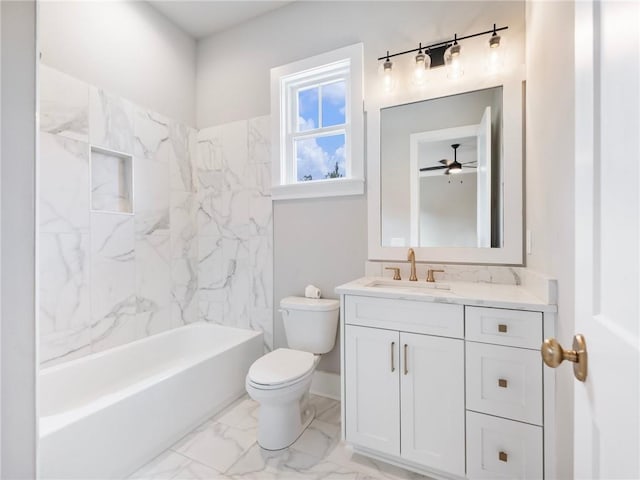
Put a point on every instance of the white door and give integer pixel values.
(432, 396)
(607, 290)
(483, 191)
(372, 394)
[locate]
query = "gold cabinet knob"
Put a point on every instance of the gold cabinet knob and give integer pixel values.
(502, 383)
(553, 355)
(503, 457)
(502, 328)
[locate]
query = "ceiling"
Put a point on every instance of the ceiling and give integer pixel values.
(205, 17)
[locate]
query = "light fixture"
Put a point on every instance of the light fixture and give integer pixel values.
(495, 53)
(455, 166)
(446, 52)
(422, 65)
(455, 68)
(387, 74)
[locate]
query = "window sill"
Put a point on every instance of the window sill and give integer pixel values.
(320, 188)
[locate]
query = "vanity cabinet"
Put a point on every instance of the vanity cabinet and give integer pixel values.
(372, 355)
(448, 390)
(504, 393)
(399, 400)
(432, 402)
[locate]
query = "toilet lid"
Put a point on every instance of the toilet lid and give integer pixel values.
(281, 366)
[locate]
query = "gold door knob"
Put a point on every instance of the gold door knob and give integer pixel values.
(553, 355)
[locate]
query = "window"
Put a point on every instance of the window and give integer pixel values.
(318, 126)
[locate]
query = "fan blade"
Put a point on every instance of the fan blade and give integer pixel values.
(469, 166)
(426, 169)
(445, 161)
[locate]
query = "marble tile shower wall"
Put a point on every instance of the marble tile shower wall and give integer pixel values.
(110, 278)
(235, 228)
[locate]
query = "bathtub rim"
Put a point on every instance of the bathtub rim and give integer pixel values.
(49, 424)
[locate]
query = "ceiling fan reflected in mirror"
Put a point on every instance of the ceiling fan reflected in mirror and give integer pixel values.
(451, 166)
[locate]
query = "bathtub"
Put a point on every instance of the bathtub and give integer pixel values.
(105, 415)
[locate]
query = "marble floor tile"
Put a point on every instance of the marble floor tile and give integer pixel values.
(225, 447)
(171, 465)
(216, 445)
(243, 415)
(318, 439)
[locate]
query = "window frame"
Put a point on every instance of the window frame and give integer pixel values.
(286, 81)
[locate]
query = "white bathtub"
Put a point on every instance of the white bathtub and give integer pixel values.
(105, 415)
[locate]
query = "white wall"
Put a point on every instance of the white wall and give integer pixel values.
(127, 48)
(448, 210)
(549, 180)
(18, 333)
(323, 241)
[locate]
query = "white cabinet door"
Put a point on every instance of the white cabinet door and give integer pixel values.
(372, 392)
(432, 393)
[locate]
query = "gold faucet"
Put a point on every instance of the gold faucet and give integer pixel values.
(411, 257)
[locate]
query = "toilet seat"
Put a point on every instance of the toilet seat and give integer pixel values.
(280, 368)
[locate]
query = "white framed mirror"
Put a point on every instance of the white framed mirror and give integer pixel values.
(445, 173)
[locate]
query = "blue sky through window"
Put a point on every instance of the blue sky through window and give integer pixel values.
(316, 158)
(308, 112)
(333, 104)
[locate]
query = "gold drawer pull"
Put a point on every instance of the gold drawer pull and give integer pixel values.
(502, 328)
(502, 383)
(502, 456)
(393, 364)
(406, 367)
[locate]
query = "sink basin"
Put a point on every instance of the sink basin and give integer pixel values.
(433, 288)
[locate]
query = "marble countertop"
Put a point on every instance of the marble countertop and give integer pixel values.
(514, 297)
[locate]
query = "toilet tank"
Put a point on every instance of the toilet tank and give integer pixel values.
(310, 324)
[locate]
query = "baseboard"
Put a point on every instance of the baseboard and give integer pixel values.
(326, 384)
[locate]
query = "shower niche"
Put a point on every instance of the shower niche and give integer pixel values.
(111, 181)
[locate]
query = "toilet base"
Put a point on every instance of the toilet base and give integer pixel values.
(280, 425)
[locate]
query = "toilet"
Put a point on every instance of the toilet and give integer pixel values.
(280, 380)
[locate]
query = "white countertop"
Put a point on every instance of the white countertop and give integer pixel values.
(465, 293)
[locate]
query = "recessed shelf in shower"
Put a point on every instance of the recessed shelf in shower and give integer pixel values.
(111, 181)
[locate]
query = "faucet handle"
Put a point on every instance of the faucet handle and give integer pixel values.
(430, 273)
(396, 272)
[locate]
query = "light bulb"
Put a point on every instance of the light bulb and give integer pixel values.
(455, 68)
(423, 63)
(387, 75)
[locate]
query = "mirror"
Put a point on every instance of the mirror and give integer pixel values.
(441, 171)
(416, 199)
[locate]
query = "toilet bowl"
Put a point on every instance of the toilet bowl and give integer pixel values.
(280, 380)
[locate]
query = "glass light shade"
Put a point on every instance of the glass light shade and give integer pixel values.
(422, 65)
(495, 55)
(387, 76)
(453, 61)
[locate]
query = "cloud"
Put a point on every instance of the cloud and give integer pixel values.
(334, 92)
(305, 124)
(317, 162)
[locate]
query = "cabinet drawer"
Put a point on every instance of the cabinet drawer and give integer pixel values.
(439, 319)
(499, 448)
(504, 381)
(504, 327)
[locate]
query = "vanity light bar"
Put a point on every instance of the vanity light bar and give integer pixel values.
(436, 50)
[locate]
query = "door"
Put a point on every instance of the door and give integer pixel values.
(372, 394)
(432, 396)
(483, 190)
(606, 431)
